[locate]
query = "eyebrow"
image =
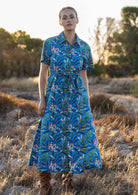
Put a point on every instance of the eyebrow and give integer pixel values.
(69, 15)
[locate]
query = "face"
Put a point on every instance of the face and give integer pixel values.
(68, 19)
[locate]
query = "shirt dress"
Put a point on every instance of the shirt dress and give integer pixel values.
(65, 140)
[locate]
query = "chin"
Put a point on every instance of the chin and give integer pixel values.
(70, 29)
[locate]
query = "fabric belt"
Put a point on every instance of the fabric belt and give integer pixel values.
(66, 74)
(71, 77)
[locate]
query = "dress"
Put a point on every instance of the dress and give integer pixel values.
(65, 139)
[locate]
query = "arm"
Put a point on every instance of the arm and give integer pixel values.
(43, 75)
(85, 80)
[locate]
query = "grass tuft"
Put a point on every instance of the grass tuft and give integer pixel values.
(134, 90)
(117, 136)
(101, 103)
(10, 102)
(20, 83)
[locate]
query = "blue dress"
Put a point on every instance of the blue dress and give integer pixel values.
(65, 139)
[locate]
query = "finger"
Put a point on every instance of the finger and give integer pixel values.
(41, 112)
(43, 109)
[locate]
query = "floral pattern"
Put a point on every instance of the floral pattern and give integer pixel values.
(65, 139)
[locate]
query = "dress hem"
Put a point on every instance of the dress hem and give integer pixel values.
(73, 172)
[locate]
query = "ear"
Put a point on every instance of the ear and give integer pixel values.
(60, 23)
(77, 21)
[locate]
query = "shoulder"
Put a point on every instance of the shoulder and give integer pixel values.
(84, 45)
(51, 40)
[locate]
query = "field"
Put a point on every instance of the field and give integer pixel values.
(114, 106)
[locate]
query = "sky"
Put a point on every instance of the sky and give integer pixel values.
(39, 18)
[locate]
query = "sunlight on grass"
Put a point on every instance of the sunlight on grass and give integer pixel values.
(117, 137)
(20, 83)
(9, 102)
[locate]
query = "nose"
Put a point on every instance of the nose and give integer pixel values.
(68, 19)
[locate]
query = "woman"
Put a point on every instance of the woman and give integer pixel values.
(65, 140)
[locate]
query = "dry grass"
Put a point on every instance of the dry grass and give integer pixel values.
(134, 90)
(10, 102)
(30, 83)
(117, 137)
(102, 104)
(118, 175)
(122, 85)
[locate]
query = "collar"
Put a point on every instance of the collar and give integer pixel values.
(62, 39)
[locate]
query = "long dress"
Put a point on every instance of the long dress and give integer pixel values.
(65, 140)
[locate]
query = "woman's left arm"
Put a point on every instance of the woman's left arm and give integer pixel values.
(85, 80)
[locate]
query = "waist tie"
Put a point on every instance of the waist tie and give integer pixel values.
(67, 74)
(71, 78)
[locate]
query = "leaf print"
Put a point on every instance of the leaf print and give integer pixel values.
(65, 139)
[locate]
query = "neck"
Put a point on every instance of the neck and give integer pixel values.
(69, 36)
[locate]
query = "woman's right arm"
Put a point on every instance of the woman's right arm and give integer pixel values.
(43, 75)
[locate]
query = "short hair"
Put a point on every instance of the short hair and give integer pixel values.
(67, 8)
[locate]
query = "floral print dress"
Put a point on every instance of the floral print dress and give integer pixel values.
(65, 139)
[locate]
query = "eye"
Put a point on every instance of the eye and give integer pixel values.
(64, 18)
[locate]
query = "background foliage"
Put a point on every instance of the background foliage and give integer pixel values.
(19, 54)
(125, 41)
(115, 44)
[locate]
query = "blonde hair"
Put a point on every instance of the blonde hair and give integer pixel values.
(67, 8)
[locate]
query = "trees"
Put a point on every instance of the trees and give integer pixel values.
(113, 42)
(101, 38)
(6, 44)
(125, 41)
(116, 43)
(6, 40)
(24, 40)
(19, 54)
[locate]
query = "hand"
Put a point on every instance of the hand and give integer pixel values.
(41, 108)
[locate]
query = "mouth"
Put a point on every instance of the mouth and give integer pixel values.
(69, 24)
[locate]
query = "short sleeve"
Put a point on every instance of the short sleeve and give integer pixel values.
(46, 52)
(87, 59)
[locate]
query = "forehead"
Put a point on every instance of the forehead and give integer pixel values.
(67, 12)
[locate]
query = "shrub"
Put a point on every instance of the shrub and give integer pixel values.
(134, 91)
(97, 71)
(115, 70)
(101, 103)
(10, 102)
